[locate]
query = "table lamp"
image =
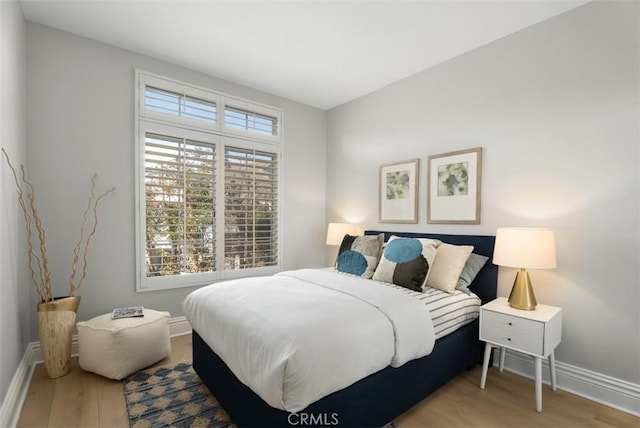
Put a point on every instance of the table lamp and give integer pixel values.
(524, 248)
(336, 232)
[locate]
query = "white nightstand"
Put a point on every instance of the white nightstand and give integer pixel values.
(536, 333)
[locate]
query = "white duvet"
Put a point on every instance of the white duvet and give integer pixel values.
(298, 336)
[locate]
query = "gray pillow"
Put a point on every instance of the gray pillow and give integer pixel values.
(475, 262)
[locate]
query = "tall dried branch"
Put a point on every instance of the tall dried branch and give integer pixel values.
(39, 285)
(41, 236)
(43, 284)
(73, 288)
(76, 250)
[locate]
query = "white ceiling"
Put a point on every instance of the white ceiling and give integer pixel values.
(321, 53)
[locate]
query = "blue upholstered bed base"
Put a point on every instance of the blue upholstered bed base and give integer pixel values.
(376, 399)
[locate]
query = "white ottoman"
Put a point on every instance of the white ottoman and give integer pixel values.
(120, 347)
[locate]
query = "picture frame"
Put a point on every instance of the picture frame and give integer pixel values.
(398, 192)
(454, 187)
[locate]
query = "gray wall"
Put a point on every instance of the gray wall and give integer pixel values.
(14, 285)
(80, 100)
(555, 107)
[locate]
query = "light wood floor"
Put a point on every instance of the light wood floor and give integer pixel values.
(85, 400)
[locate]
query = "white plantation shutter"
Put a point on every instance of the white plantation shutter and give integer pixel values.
(251, 208)
(207, 185)
(180, 206)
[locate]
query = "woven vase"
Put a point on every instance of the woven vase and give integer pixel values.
(56, 323)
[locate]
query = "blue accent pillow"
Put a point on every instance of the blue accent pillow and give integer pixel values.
(352, 262)
(403, 264)
(402, 250)
(359, 255)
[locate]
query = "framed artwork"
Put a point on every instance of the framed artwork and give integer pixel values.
(454, 187)
(398, 194)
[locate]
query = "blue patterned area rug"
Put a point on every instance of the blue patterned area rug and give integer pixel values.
(172, 396)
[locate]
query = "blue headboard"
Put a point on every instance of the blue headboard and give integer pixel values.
(485, 285)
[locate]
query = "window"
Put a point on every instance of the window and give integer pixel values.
(208, 195)
(170, 103)
(249, 121)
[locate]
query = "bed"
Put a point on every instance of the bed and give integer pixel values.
(379, 397)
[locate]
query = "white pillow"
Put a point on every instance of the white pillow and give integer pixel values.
(448, 262)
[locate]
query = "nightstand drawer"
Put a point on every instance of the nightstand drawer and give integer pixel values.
(512, 323)
(512, 339)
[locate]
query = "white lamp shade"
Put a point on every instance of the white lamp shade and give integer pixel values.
(336, 232)
(529, 248)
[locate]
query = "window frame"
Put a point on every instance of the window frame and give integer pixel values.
(152, 122)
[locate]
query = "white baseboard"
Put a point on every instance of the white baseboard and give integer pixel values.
(607, 390)
(17, 392)
(12, 404)
(179, 326)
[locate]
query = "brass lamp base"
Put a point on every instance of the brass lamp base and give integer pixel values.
(522, 296)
